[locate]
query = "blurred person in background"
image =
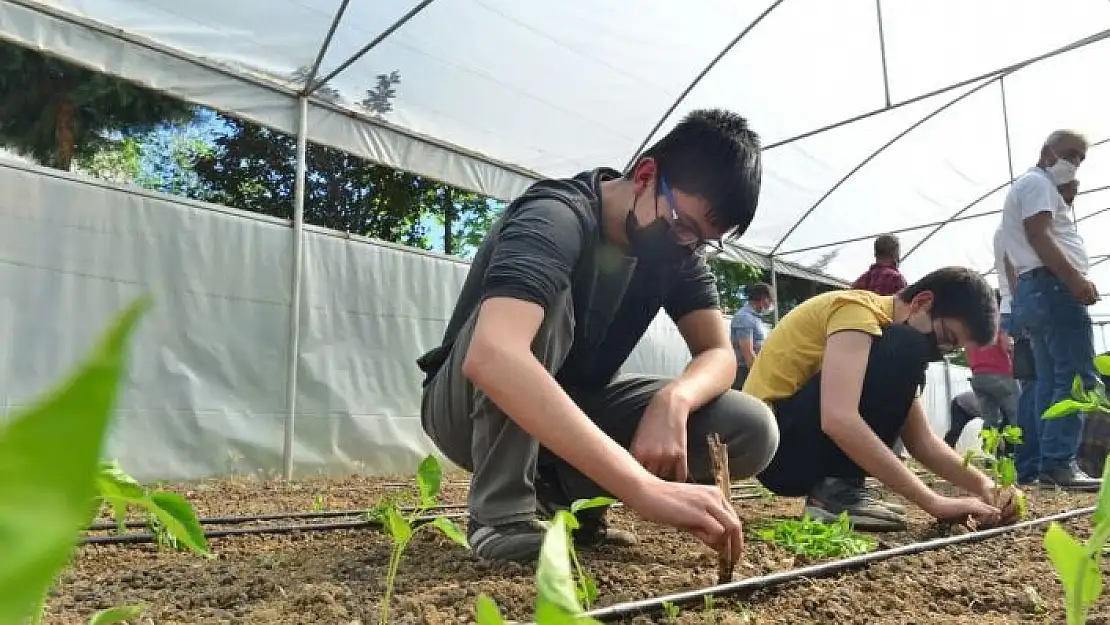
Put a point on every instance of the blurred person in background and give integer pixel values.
(747, 330)
(883, 276)
(1051, 294)
(992, 380)
(963, 409)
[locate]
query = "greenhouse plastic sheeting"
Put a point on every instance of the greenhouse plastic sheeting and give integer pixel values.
(205, 392)
(491, 94)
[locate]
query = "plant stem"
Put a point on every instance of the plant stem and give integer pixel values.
(390, 576)
(1077, 608)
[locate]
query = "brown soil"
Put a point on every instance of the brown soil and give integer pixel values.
(337, 577)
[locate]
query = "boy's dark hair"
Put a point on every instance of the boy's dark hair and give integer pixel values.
(759, 290)
(712, 154)
(886, 246)
(962, 294)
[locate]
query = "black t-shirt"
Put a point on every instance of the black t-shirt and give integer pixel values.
(550, 240)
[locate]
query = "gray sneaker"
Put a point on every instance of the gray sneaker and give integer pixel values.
(593, 530)
(832, 496)
(513, 542)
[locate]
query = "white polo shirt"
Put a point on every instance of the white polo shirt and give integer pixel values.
(1000, 269)
(1034, 192)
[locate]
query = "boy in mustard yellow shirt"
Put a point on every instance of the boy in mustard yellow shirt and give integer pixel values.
(842, 373)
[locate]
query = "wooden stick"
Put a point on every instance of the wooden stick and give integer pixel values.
(718, 451)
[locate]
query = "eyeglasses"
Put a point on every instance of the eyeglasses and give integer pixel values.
(685, 232)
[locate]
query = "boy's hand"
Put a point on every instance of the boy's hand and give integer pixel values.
(660, 440)
(695, 508)
(949, 508)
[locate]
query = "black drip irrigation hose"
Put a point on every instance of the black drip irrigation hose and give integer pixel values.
(644, 606)
(101, 526)
(147, 537)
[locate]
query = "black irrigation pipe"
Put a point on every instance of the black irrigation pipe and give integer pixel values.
(819, 570)
(147, 537)
(101, 526)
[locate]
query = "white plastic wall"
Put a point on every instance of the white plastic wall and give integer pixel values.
(206, 392)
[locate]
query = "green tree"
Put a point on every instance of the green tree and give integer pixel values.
(55, 112)
(253, 168)
(731, 280)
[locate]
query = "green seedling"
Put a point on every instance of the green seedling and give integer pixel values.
(429, 479)
(557, 601)
(318, 503)
(49, 461)
(1078, 565)
(814, 539)
(585, 584)
(112, 616)
(671, 610)
(1001, 469)
(172, 520)
(1083, 400)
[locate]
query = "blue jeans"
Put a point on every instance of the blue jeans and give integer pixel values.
(1060, 333)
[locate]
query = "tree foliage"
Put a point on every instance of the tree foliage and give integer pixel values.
(731, 280)
(254, 168)
(55, 112)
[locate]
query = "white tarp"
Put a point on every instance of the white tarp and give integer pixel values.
(206, 391)
(495, 92)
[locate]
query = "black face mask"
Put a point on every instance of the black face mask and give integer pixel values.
(933, 352)
(654, 243)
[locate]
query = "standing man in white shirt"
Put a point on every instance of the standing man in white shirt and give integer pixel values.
(1050, 298)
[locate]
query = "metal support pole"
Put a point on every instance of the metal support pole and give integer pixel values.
(1006, 128)
(775, 291)
(882, 50)
(295, 294)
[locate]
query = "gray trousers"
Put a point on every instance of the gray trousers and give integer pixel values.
(470, 430)
(998, 398)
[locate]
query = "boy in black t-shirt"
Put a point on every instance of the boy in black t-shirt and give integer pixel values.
(524, 390)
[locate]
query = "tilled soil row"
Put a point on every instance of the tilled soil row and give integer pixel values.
(338, 577)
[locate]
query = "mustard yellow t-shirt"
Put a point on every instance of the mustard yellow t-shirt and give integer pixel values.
(794, 350)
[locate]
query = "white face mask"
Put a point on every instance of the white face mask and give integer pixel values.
(768, 310)
(1062, 171)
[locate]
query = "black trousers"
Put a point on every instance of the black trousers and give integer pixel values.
(960, 419)
(806, 455)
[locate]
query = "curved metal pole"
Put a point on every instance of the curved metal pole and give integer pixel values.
(895, 231)
(1009, 69)
(871, 157)
(1006, 128)
(697, 79)
(882, 51)
(983, 197)
(308, 88)
(370, 46)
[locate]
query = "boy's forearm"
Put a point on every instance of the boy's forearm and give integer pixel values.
(708, 374)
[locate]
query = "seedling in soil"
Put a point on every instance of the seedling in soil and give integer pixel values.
(813, 539)
(557, 594)
(1078, 565)
(429, 479)
(1094, 400)
(671, 610)
(1000, 467)
(172, 520)
(318, 503)
(50, 475)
